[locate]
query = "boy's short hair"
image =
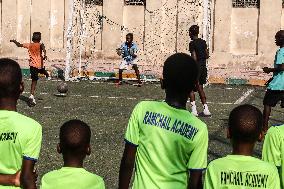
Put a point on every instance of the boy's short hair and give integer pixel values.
(280, 36)
(36, 36)
(74, 136)
(180, 73)
(10, 78)
(245, 123)
(130, 34)
(194, 29)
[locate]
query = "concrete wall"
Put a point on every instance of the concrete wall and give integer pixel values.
(244, 31)
(244, 37)
(240, 38)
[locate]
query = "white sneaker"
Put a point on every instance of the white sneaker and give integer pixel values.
(194, 110)
(32, 99)
(48, 78)
(206, 111)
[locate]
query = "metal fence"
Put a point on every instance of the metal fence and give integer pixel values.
(245, 3)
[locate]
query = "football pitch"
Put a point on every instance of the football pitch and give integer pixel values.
(106, 108)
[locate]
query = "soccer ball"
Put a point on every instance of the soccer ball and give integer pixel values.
(62, 87)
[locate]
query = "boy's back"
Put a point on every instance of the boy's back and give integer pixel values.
(170, 142)
(35, 55)
(240, 172)
(273, 149)
(20, 138)
(71, 177)
(200, 47)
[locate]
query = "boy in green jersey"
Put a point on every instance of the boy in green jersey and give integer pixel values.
(240, 170)
(273, 149)
(74, 145)
(20, 136)
(167, 144)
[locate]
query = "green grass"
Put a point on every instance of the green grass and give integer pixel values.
(106, 108)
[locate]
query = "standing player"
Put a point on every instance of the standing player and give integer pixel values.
(275, 88)
(74, 145)
(241, 170)
(35, 49)
(167, 144)
(128, 52)
(273, 149)
(20, 136)
(199, 52)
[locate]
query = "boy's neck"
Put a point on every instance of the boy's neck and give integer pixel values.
(195, 37)
(245, 149)
(8, 104)
(176, 100)
(73, 162)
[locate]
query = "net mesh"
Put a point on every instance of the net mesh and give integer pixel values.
(163, 31)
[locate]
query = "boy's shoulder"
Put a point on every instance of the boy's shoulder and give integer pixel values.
(276, 130)
(241, 163)
(71, 173)
(65, 177)
(20, 119)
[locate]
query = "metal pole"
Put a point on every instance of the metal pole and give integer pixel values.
(176, 45)
(69, 41)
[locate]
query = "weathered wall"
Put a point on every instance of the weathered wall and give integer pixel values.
(239, 38)
(160, 28)
(244, 31)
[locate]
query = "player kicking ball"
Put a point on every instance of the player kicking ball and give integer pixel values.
(37, 54)
(128, 51)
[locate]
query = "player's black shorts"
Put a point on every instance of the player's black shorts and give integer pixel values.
(202, 74)
(272, 97)
(35, 71)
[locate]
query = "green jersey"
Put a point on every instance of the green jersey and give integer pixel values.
(20, 138)
(169, 141)
(241, 172)
(273, 149)
(71, 178)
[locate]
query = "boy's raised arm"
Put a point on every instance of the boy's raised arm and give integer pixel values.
(126, 166)
(17, 43)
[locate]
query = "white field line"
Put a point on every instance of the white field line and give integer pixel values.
(239, 101)
(94, 96)
(244, 96)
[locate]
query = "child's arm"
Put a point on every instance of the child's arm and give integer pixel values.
(44, 51)
(126, 166)
(17, 43)
(195, 180)
(279, 68)
(207, 53)
(28, 176)
(193, 55)
(10, 180)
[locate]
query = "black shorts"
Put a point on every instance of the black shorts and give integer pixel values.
(202, 75)
(35, 71)
(272, 97)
